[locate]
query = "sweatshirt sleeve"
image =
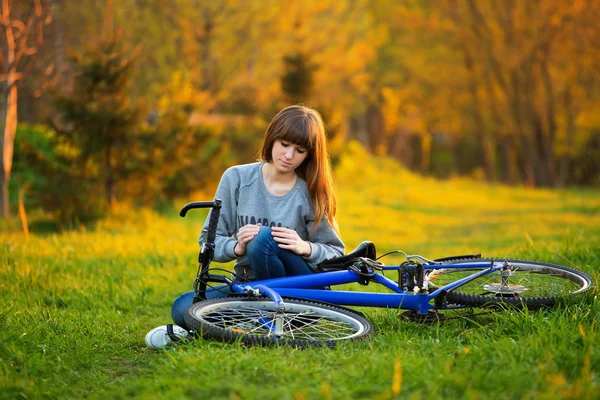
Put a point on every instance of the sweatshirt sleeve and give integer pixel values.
(227, 192)
(324, 241)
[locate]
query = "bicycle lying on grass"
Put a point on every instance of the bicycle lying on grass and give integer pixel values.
(298, 311)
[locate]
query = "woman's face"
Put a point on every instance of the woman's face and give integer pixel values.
(287, 156)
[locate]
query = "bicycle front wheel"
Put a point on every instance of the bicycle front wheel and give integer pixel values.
(528, 283)
(255, 321)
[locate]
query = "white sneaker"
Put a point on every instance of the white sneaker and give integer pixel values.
(159, 337)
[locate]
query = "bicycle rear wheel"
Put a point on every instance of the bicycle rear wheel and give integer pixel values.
(530, 283)
(255, 321)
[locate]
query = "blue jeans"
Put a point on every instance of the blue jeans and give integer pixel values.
(267, 260)
(183, 302)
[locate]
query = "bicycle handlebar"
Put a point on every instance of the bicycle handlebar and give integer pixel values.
(214, 215)
(199, 204)
(207, 251)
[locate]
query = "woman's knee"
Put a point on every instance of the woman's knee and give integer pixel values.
(261, 242)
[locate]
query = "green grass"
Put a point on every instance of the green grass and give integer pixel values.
(75, 306)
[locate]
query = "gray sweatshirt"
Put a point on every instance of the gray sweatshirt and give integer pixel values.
(246, 200)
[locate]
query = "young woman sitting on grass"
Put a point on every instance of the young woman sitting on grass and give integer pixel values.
(278, 214)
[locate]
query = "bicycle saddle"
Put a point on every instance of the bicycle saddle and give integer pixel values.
(365, 249)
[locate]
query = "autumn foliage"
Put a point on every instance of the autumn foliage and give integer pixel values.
(505, 91)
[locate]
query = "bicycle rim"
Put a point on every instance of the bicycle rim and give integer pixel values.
(532, 284)
(300, 323)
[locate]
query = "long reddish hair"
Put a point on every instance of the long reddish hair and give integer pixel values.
(304, 127)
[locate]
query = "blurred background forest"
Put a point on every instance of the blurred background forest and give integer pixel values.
(143, 101)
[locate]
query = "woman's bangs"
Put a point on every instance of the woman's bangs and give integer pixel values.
(300, 134)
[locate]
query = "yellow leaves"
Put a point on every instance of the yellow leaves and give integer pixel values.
(359, 54)
(361, 81)
(578, 6)
(341, 38)
(181, 93)
(379, 36)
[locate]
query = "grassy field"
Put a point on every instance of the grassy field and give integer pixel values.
(75, 306)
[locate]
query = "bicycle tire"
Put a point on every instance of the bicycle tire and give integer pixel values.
(534, 285)
(253, 321)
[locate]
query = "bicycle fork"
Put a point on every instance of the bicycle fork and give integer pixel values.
(275, 326)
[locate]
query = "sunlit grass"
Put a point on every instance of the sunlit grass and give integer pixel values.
(396, 209)
(75, 305)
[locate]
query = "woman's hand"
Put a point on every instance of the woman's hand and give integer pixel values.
(288, 239)
(244, 235)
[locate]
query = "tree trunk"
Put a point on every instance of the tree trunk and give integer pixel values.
(375, 129)
(535, 125)
(109, 183)
(544, 173)
(14, 53)
(526, 148)
(359, 130)
(511, 161)
(400, 147)
(205, 41)
(483, 137)
(425, 138)
(550, 124)
(10, 113)
(8, 143)
(569, 115)
(59, 45)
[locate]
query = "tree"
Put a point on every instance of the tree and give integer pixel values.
(518, 80)
(22, 36)
(98, 115)
(297, 81)
(526, 59)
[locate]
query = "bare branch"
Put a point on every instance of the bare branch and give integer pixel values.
(485, 37)
(28, 16)
(50, 84)
(26, 29)
(16, 77)
(29, 51)
(19, 25)
(49, 70)
(39, 38)
(38, 8)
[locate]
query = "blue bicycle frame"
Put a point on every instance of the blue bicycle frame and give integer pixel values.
(302, 287)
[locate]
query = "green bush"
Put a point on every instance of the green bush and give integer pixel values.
(45, 165)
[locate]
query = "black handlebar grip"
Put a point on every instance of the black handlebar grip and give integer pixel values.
(197, 204)
(214, 220)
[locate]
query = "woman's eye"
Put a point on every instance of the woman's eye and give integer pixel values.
(301, 151)
(284, 144)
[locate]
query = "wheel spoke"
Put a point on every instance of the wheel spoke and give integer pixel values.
(298, 321)
(536, 284)
(533, 283)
